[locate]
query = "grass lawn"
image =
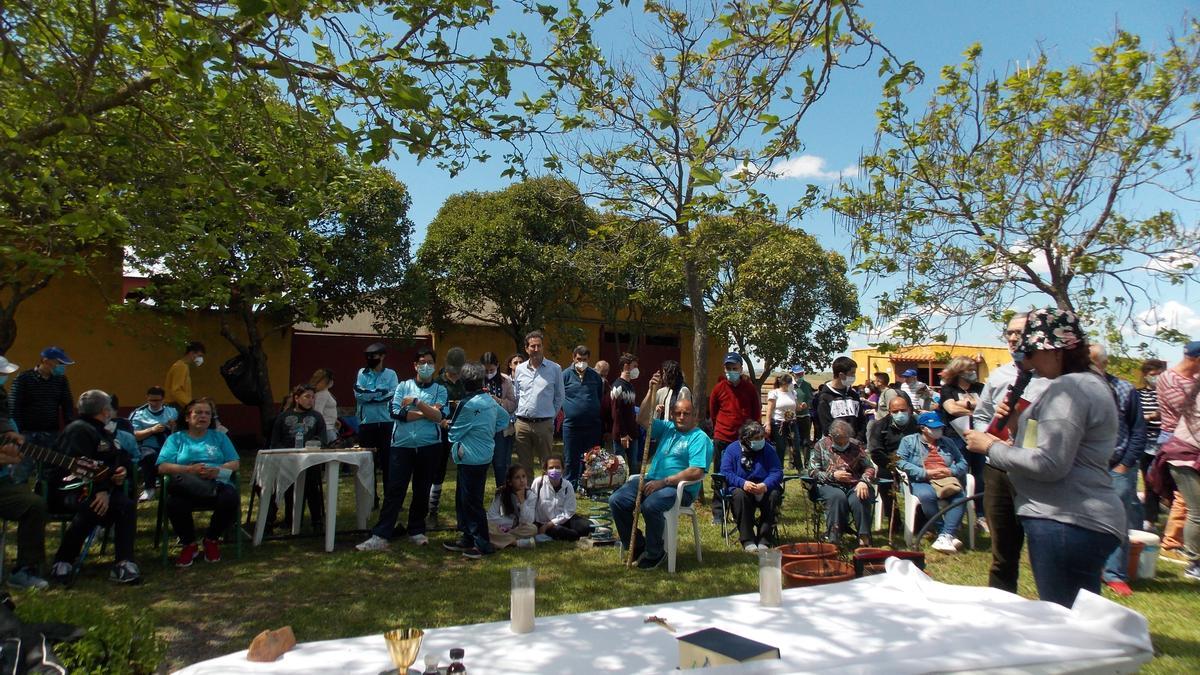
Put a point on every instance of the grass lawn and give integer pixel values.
(212, 609)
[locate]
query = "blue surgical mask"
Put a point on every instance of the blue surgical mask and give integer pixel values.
(935, 434)
(60, 369)
(733, 376)
(425, 371)
(4, 378)
(901, 418)
(842, 447)
(758, 444)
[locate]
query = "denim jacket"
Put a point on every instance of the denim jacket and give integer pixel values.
(910, 457)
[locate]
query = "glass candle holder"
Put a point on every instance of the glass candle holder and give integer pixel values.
(770, 578)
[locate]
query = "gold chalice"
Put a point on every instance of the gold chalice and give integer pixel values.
(403, 645)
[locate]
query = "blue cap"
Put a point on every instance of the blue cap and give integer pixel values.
(1192, 349)
(733, 357)
(909, 373)
(57, 354)
(797, 369)
(931, 420)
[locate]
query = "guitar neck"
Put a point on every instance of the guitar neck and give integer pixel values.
(42, 454)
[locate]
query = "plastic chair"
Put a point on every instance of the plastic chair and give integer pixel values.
(912, 506)
(162, 522)
(671, 533)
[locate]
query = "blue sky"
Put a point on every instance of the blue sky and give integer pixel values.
(841, 126)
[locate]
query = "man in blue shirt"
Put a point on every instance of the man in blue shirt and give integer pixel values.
(152, 422)
(684, 452)
(373, 390)
(472, 433)
(581, 429)
(538, 384)
(415, 449)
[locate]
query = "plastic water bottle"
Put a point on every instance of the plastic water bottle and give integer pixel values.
(299, 442)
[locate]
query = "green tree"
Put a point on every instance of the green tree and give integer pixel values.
(505, 258)
(78, 79)
(775, 292)
(1044, 184)
(710, 101)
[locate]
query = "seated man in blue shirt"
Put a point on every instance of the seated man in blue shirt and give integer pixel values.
(684, 451)
(754, 473)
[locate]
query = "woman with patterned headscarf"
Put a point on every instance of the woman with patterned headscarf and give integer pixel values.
(1058, 461)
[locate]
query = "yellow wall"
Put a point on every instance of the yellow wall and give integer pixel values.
(124, 356)
(871, 361)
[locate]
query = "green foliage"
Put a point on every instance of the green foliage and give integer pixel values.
(1030, 187)
(117, 642)
(505, 258)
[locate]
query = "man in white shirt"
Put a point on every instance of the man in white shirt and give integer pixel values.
(554, 505)
(538, 385)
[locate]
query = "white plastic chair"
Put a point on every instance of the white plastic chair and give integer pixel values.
(912, 505)
(671, 532)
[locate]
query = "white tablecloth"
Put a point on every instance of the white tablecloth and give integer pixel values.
(899, 622)
(276, 470)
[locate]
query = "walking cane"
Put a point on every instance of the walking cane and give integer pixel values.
(637, 501)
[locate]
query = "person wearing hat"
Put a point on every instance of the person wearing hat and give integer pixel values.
(7, 431)
(17, 502)
(804, 412)
(1173, 386)
(374, 388)
(40, 401)
(178, 383)
(1058, 460)
(917, 391)
(933, 464)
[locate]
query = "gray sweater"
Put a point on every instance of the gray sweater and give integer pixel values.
(1065, 477)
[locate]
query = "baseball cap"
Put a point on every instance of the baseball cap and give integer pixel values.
(1192, 349)
(798, 369)
(57, 354)
(733, 357)
(931, 420)
(7, 367)
(376, 348)
(909, 373)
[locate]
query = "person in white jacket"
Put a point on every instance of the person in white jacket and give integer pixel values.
(512, 513)
(554, 506)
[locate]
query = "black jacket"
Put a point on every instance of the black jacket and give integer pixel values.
(840, 405)
(86, 437)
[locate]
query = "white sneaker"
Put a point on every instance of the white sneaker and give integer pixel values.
(419, 539)
(375, 543)
(147, 495)
(750, 547)
(944, 543)
(527, 542)
(763, 545)
(982, 524)
(958, 545)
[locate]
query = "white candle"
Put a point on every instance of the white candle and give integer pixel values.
(522, 610)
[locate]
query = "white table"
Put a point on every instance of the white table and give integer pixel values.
(899, 622)
(276, 470)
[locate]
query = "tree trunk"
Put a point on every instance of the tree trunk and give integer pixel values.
(8, 330)
(699, 340)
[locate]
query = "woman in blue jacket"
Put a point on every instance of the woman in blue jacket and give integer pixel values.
(916, 457)
(755, 475)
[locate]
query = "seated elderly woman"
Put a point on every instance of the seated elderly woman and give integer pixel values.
(755, 475)
(200, 462)
(937, 473)
(843, 476)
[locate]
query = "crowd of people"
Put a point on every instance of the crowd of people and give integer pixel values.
(1053, 440)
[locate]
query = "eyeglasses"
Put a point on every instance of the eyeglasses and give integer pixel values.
(1013, 333)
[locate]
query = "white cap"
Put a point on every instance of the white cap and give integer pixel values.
(7, 367)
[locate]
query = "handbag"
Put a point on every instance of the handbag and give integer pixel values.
(194, 486)
(946, 488)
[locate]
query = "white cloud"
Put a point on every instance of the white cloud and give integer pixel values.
(804, 167)
(1174, 262)
(1171, 314)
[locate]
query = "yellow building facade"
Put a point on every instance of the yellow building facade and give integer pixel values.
(928, 360)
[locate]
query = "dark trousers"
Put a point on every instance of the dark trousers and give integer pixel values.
(468, 505)
(718, 507)
(377, 435)
(747, 506)
(572, 529)
(224, 505)
(783, 437)
(19, 503)
(1008, 536)
(121, 515)
(578, 438)
(976, 464)
(1066, 558)
(148, 466)
(1151, 502)
(408, 464)
(501, 457)
(314, 497)
(841, 501)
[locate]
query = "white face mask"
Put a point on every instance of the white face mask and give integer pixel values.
(491, 372)
(581, 366)
(934, 434)
(848, 381)
(199, 361)
(110, 426)
(633, 373)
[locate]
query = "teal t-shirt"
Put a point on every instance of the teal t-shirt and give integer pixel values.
(677, 452)
(143, 418)
(417, 433)
(212, 449)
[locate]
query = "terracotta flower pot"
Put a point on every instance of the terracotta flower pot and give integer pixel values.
(800, 573)
(869, 560)
(807, 550)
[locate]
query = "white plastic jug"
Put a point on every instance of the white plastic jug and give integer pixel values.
(1148, 561)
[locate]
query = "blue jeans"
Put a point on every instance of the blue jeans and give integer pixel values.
(1065, 558)
(468, 506)
(578, 438)
(404, 465)
(951, 520)
(501, 457)
(654, 508)
(1116, 568)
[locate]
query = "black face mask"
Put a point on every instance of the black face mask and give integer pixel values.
(373, 361)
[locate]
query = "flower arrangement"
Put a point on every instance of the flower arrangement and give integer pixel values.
(603, 470)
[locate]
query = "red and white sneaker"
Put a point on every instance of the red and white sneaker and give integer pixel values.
(212, 550)
(1119, 587)
(187, 555)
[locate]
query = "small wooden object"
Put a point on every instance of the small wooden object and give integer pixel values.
(271, 644)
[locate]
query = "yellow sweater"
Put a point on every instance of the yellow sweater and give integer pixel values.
(179, 383)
